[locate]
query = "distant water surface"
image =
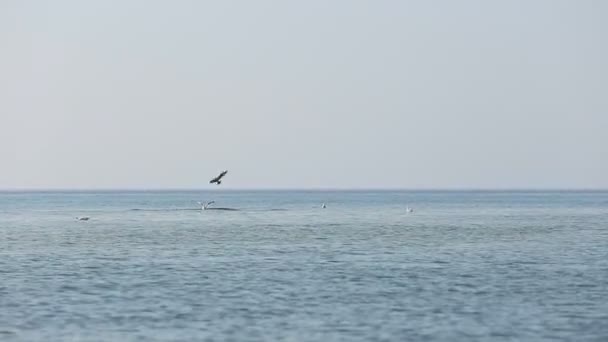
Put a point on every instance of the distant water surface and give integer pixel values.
(152, 266)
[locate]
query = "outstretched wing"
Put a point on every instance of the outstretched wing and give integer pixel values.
(222, 174)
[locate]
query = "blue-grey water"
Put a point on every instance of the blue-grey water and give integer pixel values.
(150, 266)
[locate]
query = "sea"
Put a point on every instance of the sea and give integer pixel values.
(277, 266)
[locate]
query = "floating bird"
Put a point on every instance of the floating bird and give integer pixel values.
(323, 206)
(409, 210)
(218, 179)
(84, 218)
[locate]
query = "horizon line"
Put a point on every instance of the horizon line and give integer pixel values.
(421, 189)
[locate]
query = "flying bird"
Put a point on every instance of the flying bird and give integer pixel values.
(218, 179)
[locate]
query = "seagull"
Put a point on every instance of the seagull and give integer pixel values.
(409, 210)
(323, 206)
(218, 179)
(204, 206)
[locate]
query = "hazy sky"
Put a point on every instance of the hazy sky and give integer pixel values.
(408, 94)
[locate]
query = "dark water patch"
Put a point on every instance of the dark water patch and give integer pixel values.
(68, 288)
(440, 262)
(271, 225)
(263, 209)
(209, 208)
(166, 209)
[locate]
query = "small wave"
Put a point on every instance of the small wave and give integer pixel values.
(271, 209)
(165, 209)
(199, 209)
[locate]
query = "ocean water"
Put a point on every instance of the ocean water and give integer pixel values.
(151, 266)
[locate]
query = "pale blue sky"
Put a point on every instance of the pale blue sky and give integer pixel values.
(304, 94)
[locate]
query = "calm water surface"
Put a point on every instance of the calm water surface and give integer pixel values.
(150, 266)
